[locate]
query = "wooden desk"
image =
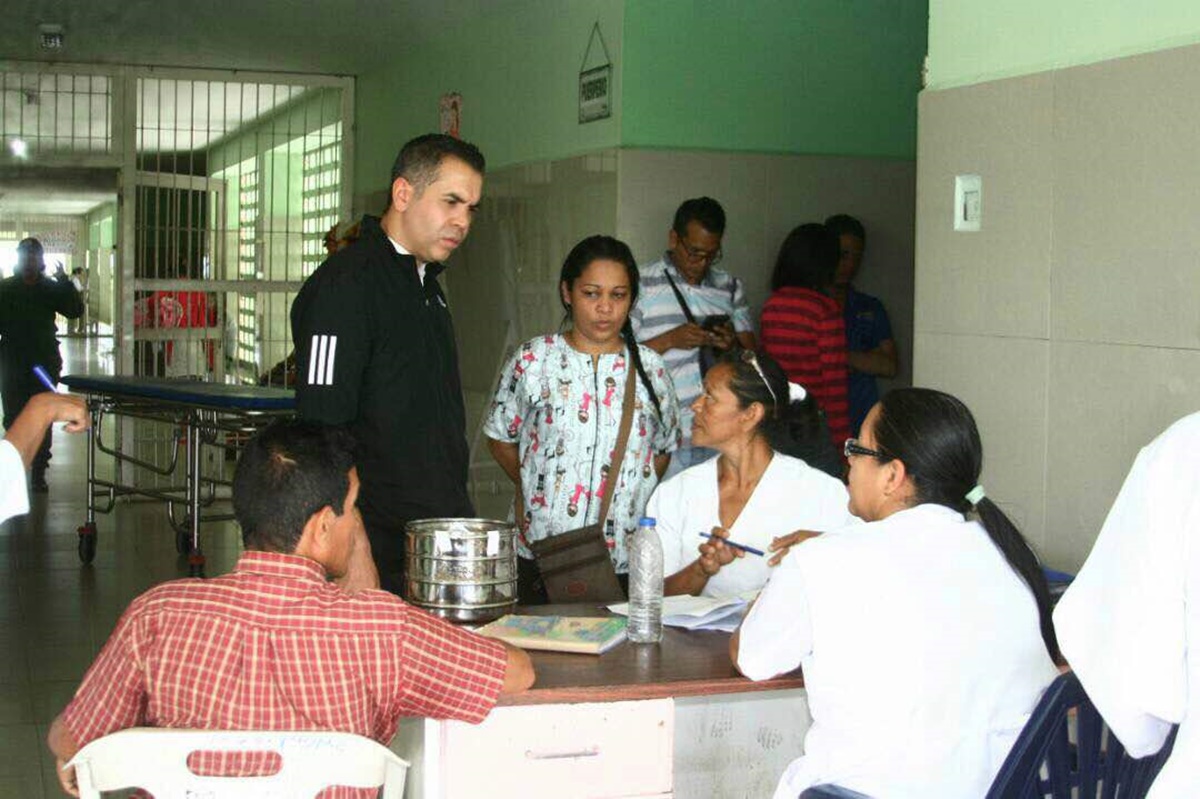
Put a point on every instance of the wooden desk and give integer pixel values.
(684, 664)
(667, 720)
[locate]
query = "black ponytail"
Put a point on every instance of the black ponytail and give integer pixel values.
(935, 436)
(636, 357)
(1021, 557)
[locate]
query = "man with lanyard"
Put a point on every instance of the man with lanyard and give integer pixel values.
(29, 337)
(689, 311)
(375, 347)
(871, 350)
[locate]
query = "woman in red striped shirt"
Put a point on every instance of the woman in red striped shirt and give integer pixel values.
(802, 326)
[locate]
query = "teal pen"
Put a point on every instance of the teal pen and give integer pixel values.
(736, 545)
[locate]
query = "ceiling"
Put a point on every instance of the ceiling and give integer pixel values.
(70, 191)
(331, 37)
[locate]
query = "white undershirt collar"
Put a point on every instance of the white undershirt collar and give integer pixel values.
(420, 266)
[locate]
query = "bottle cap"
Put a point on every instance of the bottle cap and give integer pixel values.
(646, 521)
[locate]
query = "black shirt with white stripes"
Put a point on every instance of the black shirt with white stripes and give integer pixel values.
(375, 351)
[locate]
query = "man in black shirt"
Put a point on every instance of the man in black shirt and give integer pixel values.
(375, 347)
(29, 336)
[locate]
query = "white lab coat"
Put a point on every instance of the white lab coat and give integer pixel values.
(922, 655)
(14, 495)
(1125, 623)
(790, 495)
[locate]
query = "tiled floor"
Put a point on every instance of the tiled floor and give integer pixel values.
(55, 613)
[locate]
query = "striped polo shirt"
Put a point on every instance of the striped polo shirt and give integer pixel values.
(658, 311)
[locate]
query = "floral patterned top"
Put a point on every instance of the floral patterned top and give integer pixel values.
(563, 410)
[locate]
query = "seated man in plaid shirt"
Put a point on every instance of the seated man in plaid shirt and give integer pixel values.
(275, 644)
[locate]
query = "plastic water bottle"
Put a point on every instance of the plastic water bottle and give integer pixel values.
(645, 584)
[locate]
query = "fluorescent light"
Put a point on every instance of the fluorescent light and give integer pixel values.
(19, 148)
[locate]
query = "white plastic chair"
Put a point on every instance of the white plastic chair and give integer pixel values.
(155, 760)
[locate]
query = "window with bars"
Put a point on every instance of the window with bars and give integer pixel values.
(320, 197)
(249, 210)
(53, 112)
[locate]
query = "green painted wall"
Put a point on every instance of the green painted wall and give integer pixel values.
(517, 68)
(787, 76)
(971, 41)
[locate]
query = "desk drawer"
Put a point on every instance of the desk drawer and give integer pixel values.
(588, 751)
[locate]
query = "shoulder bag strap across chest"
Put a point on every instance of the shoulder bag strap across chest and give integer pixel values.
(627, 403)
(687, 312)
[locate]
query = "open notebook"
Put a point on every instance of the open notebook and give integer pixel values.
(700, 612)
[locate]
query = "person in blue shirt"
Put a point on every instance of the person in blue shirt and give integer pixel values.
(871, 348)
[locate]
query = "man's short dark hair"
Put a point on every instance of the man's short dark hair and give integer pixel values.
(31, 246)
(287, 473)
(844, 223)
(704, 211)
(419, 159)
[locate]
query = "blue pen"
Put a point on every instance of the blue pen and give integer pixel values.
(44, 377)
(735, 545)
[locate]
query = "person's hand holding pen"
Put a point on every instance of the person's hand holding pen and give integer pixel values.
(781, 545)
(715, 553)
(55, 406)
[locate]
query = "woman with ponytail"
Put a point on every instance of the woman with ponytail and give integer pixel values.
(925, 635)
(554, 420)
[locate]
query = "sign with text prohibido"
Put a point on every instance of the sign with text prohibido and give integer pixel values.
(595, 83)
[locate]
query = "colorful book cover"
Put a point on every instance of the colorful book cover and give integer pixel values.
(558, 633)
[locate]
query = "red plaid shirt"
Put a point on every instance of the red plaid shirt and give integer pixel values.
(274, 646)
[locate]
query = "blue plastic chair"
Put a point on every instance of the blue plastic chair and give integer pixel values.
(1058, 582)
(1045, 764)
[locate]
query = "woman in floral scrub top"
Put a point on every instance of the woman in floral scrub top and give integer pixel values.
(554, 420)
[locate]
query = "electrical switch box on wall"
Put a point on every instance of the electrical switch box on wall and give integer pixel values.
(968, 202)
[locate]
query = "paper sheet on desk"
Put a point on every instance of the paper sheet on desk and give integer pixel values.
(699, 612)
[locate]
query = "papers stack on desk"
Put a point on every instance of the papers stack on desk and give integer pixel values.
(698, 612)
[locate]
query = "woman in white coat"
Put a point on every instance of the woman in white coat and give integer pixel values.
(752, 492)
(924, 635)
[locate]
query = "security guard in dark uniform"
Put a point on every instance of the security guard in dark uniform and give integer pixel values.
(375, 347)
(29, 336)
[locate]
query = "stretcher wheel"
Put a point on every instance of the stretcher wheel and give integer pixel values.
(183, 542)
(87, 543)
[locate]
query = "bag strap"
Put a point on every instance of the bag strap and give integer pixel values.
(687, 312)
(614, 468)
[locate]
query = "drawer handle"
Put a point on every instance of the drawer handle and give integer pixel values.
(592, 751)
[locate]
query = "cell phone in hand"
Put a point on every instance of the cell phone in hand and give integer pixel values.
(714, 321)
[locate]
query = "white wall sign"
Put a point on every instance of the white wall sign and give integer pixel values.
(595, 86)
(595, 83)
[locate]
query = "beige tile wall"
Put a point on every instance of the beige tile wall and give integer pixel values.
(1069, 323)
(764, 197)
